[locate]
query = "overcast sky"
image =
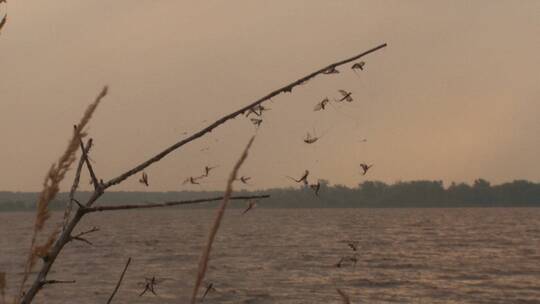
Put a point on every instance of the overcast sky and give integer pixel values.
(454, 96)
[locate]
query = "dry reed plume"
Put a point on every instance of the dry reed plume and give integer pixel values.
(203, 264)
(51, 187)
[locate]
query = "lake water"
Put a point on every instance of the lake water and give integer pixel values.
(289, 256)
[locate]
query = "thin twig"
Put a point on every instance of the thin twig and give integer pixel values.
(81, 239)
(168, 204)
(287, 88)
(119, 281)
(97, 185)
(78, 237)
(75, 184)
(93, 229)
(203, 264)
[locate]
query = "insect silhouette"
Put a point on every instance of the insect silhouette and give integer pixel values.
(309, 139)
(244, 179)
(358, 66)
(191, 180)
(257, 110)
(345, 96)
(321, 105)
(331, 70)
(149, 286)
(340, 263)
(144, 179)
(365, 168)
(250, 206)
(302, 179)
(256, 121)
(207, 171)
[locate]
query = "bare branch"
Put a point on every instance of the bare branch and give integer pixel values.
(168, 204)
(78, 237)
(119, 281)
(97, 185)
(217, 123)
(75, 185)
(81, 239)
(203, 264)
(93, 229)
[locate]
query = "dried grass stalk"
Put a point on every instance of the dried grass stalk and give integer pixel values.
(51, 187)
(3, 22)
(119, 281)
(203, 264)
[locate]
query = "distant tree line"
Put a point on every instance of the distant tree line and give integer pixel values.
(372, 194)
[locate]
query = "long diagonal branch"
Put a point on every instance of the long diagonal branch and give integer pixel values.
(84, 156)
(217, 123)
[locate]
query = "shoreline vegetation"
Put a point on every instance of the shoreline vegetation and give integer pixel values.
(369, 194)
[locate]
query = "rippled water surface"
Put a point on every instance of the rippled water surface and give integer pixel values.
(289, 256)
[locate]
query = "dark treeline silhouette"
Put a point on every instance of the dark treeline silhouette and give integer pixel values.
(373, 194)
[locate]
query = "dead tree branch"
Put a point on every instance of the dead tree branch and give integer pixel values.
(78, 237)
(169, 204)
(119, 281)
(203, 264)
(75, 184)
(93, 229)
(84, 156)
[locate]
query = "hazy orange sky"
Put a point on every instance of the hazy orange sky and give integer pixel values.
(455, 95)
